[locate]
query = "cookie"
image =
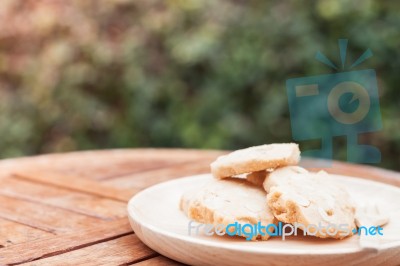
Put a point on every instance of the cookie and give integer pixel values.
(229, 201)
(313, 200)
(255, 158)
(186, 199)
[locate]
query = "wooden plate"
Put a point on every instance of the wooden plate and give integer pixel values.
(156, 219)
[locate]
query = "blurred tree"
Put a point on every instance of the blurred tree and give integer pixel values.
(178, 73)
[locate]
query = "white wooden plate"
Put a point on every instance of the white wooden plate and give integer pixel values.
(156, 219)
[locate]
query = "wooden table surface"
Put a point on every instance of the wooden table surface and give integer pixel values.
(70, 209)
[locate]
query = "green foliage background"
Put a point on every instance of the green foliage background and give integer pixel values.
(179, 73)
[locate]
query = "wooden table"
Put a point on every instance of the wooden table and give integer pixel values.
(70, 209)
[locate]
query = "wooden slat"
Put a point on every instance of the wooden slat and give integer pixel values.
(108, 163)
(56, 245)
(158, 261)
(143, 180)
(43, 217)
(123, 250)
(75, 183)
(161, 159)
(63, 198)
(118, 168)
(12, 233)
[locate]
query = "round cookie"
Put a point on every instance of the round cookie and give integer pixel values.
(256, 158)
(227, 201)
(311, 200)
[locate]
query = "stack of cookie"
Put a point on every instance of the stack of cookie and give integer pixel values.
(263, 185)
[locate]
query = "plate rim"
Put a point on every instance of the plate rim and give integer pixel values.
(212, 244)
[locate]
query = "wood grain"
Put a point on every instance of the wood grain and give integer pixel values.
(126, 249)
(105, 164)
(70, 209)
(74, 183)
(12, 233)
(51, 246)
(158, 261)
(139, 181)
(88, 204)
(42, 216)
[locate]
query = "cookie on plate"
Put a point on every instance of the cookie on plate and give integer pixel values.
(312, 200)
(186, 199)
(255, 158)
(227, 201)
